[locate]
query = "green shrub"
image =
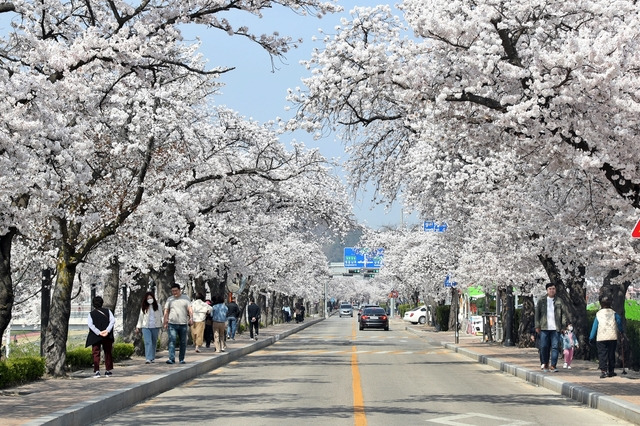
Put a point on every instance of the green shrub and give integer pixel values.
(241, 328)
(442, 317)
(21, 370)
(404, 308)
(122, 351)
(78, 358)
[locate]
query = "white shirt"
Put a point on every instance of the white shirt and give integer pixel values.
(551, 314)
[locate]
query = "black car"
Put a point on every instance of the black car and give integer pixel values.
(374, 317)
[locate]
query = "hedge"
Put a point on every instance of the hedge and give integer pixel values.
(78, 358)
(21, 370)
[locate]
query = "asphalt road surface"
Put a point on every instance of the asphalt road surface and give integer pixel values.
(334, 374)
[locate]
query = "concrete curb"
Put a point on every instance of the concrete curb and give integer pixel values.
(605, 403)
(103, 406)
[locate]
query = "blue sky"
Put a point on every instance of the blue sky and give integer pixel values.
(256, 90)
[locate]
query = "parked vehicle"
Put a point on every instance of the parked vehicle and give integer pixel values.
(346, 310)
(374, 317)
(416, 315)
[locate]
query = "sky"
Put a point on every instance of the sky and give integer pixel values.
(257, 88)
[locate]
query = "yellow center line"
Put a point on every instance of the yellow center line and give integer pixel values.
(360, 419)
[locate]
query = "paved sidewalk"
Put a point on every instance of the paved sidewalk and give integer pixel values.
(82, 399)
(618, 396)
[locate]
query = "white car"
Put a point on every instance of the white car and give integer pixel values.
(416, 315)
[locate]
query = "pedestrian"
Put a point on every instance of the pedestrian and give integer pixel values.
(604, 332)
(200, 313)
(286, 313)
(233, 313)
(550, 320)
(177, 318)
(569, 343)
(253, 312)
(208, 327)
(219, 316)
(149, 322)
(101, 322)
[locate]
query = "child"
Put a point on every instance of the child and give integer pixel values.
(569, 342)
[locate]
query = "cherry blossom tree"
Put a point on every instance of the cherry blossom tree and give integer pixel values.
(491, 108)
(94, 94)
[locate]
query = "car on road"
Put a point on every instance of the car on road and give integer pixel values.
(416, 315)
(346, 310)
(367, 305)
(374, 317)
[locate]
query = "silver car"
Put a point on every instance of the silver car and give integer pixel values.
(346, 310)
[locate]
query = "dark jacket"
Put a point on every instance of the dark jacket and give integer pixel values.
(253, 311)
(560, 314)
(100, 318)
(233, 310)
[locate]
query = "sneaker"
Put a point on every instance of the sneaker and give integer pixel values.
(97, 374)
(546, 370)
(569, 367)
(612, 374)
(147, 362)
(565, 365)
(182, 362)
(603, 375)
(170, 361)
(108, 373)
(553, 369)
(542, 367)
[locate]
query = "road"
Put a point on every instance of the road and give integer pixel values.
(334, 374)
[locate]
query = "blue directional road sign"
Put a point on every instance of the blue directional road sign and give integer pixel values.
(433, 226)
(355, 257)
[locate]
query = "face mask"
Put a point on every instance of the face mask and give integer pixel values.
(570, 328)
(150, 301)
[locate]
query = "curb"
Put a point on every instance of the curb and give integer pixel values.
(605, 403)
(103, 406)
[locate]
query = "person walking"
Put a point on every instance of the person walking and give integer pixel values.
(569, 343)
(101, 322)
(219, 315)
(550, 320)
(178, 315)
(253, 312)
(233, 313)
(604, 332)
(149, 322)
(200, 312)
(286, 313)
(208, 327)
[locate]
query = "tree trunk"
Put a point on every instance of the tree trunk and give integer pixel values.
(132, 311)
(526, 329)
(576, 302)
(58, 328)
(162, 281)
(6, 282)
(112, 284)
(200, 286)
(45, 306)
(261, 301)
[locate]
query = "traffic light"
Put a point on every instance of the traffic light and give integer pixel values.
(370, 273)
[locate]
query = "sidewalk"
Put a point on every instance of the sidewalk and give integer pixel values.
(82, 399)
(618, 396)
